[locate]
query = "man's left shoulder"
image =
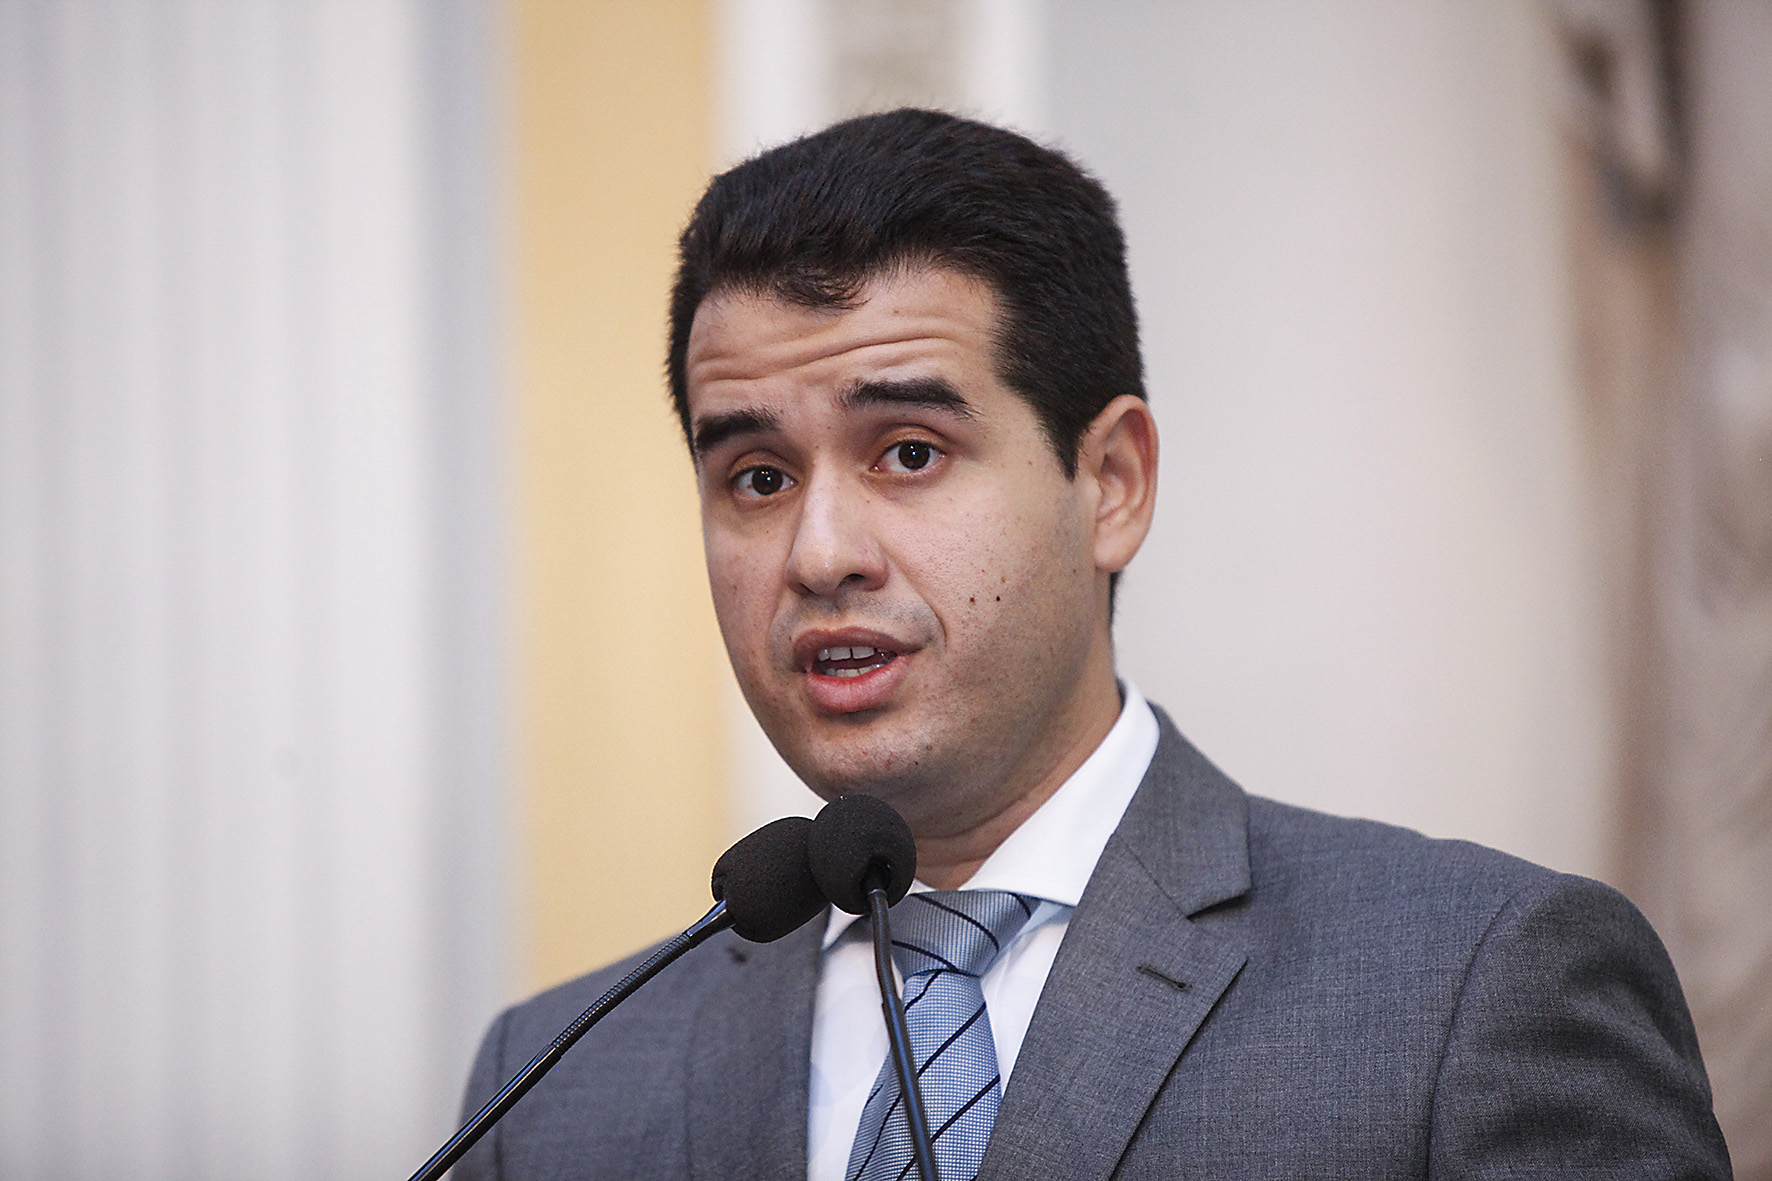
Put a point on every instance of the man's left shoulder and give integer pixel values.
(1379, 882)
(1331, 890)
(1297, 848)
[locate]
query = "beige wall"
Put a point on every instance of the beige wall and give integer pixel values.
(619, 657)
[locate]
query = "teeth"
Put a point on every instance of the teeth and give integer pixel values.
(827, 654)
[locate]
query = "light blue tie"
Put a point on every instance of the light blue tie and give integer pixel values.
(942, 942)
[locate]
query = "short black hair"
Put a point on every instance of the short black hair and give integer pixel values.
(813, 220)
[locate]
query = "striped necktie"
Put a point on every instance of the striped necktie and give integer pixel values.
(942, 942)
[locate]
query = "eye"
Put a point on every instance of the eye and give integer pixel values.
(912, 455)
(761, 481)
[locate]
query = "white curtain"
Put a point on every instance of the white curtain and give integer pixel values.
(249, 614)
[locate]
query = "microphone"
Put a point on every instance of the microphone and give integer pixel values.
(765, 881)
(863, 857)
(856, 841)
(762, 889)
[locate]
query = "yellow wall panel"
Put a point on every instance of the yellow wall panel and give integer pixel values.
(620, 657)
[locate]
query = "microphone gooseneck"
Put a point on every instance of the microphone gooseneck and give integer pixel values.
(898, 1036)
(763, 891)
(864, 858)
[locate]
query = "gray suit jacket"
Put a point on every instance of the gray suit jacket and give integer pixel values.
(1246, 990)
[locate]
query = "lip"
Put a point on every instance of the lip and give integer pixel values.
(849, 695)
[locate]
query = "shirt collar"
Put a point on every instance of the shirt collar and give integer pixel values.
(1052, 855)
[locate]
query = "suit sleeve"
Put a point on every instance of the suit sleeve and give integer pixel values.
(1572, 1053)
(481, 1162)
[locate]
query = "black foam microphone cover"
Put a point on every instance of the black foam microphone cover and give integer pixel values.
(765, 882)
(856, 838)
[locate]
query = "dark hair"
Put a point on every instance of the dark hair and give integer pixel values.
(811, 221)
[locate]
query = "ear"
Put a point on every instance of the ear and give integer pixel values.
(1119, 455)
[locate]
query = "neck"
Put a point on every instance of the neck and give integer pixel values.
(947, 857)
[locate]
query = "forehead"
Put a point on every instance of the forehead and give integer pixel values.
(911, 324)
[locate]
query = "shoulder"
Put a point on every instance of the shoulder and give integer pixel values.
(1465, 905)
(1370, 871)
(669, 999)
(1544, 1013)
(1198, 832)
(1293, 848)
(629, 1070)
(1291, 876)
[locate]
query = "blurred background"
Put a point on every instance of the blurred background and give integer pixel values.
(357, 669)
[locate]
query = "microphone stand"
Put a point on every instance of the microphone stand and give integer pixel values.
(898, 1035)
(711, 923)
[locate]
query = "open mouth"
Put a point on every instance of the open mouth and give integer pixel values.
(851, 662)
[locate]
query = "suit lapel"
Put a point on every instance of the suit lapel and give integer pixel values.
(1134, 978)
(749, 1073)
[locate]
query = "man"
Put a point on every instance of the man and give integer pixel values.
(905, 358)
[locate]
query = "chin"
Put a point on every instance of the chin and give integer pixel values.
(891, 754)
(833, 774)
(857, 763)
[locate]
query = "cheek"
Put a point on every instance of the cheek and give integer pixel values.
(1005, 563)
(741, 587)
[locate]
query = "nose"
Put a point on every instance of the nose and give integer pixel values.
(835, 551)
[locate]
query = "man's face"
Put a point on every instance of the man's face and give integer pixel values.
(903, 574)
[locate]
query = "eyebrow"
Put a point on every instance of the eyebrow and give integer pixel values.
(934, 393)
(715, 429)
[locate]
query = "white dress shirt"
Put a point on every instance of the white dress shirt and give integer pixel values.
(1050, 857)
